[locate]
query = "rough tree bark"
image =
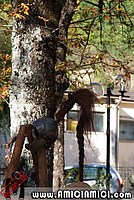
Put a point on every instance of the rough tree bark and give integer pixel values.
(37, 43)
(58, 173)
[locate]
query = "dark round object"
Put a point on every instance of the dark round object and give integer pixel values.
(47, 128)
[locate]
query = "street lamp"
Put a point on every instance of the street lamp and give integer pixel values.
(98, 89)
(109, 94)
(108, 137)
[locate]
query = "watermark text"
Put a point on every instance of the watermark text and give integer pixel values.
(81, 194)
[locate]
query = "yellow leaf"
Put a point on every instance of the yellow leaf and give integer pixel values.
(26, 13)
(43, 18)
(24, 8)
(19, 16)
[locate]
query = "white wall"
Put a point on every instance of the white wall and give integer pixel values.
(126, 147)
(95, 151)
(126, 154)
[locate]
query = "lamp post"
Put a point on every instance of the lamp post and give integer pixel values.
(108, 137)
(109, 94)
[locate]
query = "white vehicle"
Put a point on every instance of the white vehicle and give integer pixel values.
(95, 176)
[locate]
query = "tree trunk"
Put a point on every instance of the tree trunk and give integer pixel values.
(58, 174)
(33, 75)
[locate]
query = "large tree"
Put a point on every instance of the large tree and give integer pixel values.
(39, 45)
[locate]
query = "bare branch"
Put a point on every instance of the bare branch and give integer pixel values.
(96, 16)
(86, 41)
(127, 15)
(66, 16)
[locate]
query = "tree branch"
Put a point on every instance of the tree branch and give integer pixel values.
(96, 16)
(66, 16)
(88, 35)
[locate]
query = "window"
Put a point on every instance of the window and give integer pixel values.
(72, 120)
(126, 130)
(73, 117)
(98, 122)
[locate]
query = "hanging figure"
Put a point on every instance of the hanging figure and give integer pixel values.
(44, 131)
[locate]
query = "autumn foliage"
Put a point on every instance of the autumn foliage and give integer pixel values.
(5, 51)
(5, 74)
